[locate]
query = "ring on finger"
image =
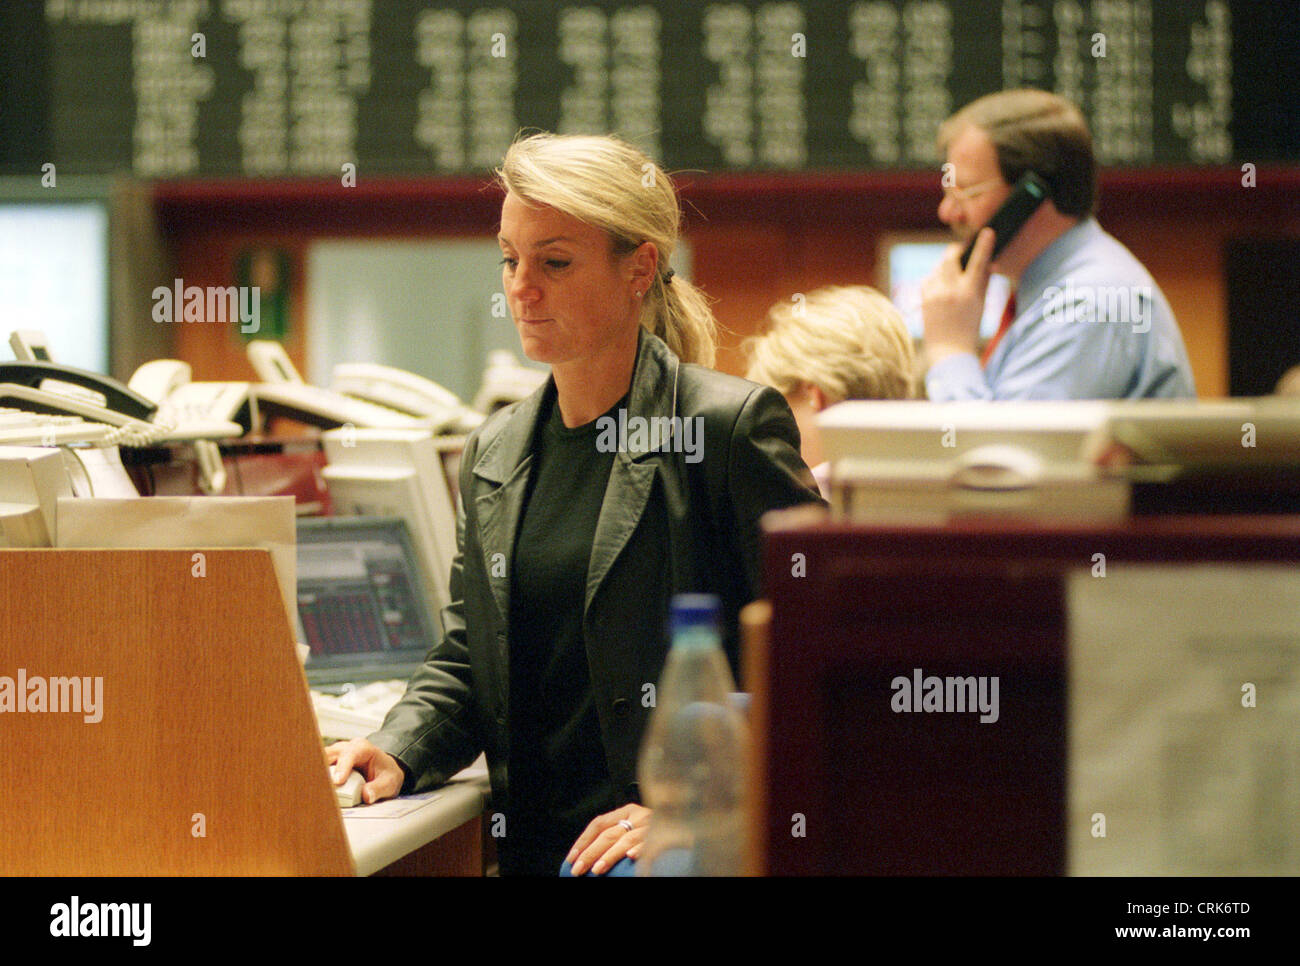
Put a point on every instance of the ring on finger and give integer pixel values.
(625, 823)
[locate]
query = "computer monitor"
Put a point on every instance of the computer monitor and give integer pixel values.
(906, 259)
(397, 472)
(54, 271)
(361, 604)
(32, 479)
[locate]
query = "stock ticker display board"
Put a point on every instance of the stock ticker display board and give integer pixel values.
(276, 88)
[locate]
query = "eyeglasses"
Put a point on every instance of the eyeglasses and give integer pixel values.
(972, 192)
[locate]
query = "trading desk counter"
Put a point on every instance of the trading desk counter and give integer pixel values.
(438, 832)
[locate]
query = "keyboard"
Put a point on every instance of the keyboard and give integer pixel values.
(358, 711)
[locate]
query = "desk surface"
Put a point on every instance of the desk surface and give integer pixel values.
(377, 841)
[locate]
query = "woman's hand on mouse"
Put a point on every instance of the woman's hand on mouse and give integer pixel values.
(384, 776)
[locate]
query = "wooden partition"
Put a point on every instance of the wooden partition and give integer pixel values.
(200, 756)
(755, 625)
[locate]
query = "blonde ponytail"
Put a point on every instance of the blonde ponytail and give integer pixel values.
(679, 313)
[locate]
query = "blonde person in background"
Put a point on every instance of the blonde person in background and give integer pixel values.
(839, 342)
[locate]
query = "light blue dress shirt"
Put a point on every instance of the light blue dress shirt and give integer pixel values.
(1090, 323)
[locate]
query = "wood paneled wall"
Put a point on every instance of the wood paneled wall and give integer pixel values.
(756, 239)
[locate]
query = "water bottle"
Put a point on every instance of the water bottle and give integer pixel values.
(694, 754)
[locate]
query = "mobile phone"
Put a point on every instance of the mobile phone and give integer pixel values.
(1030, 192)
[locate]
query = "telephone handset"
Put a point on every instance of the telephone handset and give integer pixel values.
(407, 393)
(1030, 192)
(158, 379)
(91, 388)
(127, 431)
(36, 385)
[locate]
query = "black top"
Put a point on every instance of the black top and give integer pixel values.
(559, 780)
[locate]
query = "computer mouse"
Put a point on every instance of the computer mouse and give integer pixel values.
(349, 793)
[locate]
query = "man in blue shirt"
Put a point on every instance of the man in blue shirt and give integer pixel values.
(1085, 319)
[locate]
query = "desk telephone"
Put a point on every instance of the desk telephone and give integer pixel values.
(505, 381)
(159, 404)
(197, 410)
(363, 394)
(407, 393)
(50, 388)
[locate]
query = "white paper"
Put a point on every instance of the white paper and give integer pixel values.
(189, 521)
(393, 807)
(1167, 755)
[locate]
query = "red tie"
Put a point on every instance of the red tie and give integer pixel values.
(1008, 316)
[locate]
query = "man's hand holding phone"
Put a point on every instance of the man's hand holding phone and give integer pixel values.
(952, 299)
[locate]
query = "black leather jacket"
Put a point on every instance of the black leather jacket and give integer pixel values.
(670, 522)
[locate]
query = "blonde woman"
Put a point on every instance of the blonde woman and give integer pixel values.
(634, 474)
(839, 342)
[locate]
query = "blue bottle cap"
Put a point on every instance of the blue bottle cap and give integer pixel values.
(695, 610)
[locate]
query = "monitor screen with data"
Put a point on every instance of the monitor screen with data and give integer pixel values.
(361, 606)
